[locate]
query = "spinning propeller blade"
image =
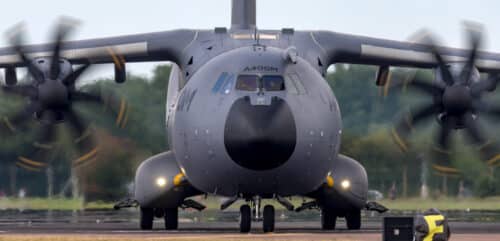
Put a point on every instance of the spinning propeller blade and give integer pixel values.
(456, 105)
(51, 95)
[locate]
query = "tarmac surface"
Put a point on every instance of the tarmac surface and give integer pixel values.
(106, 226)
(223, 231)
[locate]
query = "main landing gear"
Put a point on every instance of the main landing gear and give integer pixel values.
(252, 212)
(170, 215)
(171, 218)
(329, 219)
(147, 217)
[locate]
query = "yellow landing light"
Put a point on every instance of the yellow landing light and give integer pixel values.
(178, 179)
(345, 184)
(329, 181)
(161, 181)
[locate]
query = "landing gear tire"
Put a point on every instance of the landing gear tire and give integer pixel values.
(171, 218)
(245, 219)
(328, 219)
(353, 220)
(147, 217)
(268, 222)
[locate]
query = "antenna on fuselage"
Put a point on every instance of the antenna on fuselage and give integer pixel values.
(257, 36)
(243, 14)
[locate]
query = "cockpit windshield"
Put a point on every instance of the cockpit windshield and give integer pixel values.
(263, 83)
(247, 82)
(273, 83)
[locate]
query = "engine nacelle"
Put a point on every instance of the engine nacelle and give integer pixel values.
(160, 183)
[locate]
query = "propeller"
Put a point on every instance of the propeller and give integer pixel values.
(51, 94)
(456, 103)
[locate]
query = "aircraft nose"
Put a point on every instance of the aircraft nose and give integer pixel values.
(260, 137)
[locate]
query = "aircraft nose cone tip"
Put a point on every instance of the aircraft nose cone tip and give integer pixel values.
(260, 137)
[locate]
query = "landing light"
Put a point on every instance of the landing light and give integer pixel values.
(345, 184)
(161, 182)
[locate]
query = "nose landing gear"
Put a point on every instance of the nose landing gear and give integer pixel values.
(253, 213)
(268, 222)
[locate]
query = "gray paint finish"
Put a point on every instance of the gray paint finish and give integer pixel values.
(149, 194)
(198, 138)
(244, 14)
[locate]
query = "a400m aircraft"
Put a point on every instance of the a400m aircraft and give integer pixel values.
(249, 113)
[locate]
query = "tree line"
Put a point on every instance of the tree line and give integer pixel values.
(368, 112)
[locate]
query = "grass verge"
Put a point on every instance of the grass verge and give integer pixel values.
(212, 203)
(492, 203)
(51, 204)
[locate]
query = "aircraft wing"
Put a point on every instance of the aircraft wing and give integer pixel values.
(159, 46)
(345, 48)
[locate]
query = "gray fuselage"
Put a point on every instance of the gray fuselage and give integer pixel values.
(233, 136)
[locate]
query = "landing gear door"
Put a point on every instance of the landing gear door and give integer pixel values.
(175, 84)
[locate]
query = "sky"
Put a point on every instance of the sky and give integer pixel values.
(391, 19)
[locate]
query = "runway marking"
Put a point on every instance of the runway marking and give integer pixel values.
(254, 236)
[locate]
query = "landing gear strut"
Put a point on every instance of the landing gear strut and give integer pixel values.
(257, 216)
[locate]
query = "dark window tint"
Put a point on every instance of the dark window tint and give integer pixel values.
(273, 83)
(247, 82)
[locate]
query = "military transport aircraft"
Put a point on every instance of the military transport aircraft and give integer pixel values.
(249, 113)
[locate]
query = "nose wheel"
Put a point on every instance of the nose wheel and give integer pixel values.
(245, 219)
(268, 222)
(252, 212)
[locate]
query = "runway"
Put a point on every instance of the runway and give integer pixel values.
(108, 225)
(218, 231)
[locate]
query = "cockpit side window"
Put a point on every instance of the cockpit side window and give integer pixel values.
(247, 83)
(273, 83)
